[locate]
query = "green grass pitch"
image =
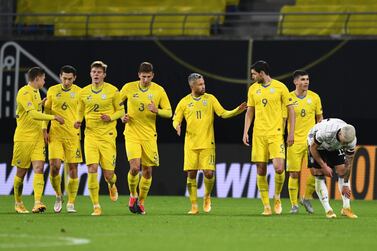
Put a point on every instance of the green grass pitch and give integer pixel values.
(233, 224)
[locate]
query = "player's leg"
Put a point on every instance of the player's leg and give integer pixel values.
(320, 185)
(149, 159)
(56, 155)
(133, 151)
(21, 159)
(108, 163)
(276, 149)
(342, 185)
(72, 149)
(191, 158)
(207, 162)
(72, 187)
(295, 155)
(38, 157)
(259, 155)
(144, 186)
(92, 156)
(309, 190)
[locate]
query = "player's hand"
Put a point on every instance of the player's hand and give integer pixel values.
(126, 118)
(59, 119)
(105, 117)
(178, 129)
(327, 171)
(46, 136)
(245, 139)
(152, 107)
(290, 140)
(77, 124)
(242, 107)
(346, 191)
(44, 101)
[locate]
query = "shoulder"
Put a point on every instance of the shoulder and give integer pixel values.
(129, 85)
(24, 90)
(278, 84)
(158, 87)
(76, 88)
(110, 87)
(313, 94)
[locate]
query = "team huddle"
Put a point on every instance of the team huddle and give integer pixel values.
(325, 144)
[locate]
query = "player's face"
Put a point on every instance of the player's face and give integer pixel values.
(97, 74)
(40, 81)
(145, 78)
(199, 87)
(302, 83)
(256, 77)
(67, 79)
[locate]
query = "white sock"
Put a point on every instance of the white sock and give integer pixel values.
(323, 194)
(346, 201)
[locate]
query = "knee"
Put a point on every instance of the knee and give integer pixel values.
(294, 175)
(73, 172)
(208, 174)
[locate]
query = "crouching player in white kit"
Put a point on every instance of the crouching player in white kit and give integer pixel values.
(332, 144)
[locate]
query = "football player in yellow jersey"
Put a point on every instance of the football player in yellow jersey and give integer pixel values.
(63, 140)
(198, 110)
(29, 146)
(145, 101)
(308, 110)
(266, 97)
(101, 105)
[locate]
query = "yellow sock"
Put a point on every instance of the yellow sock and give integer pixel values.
(112, 181)
(208, 186)
(293, 190)
(310, 187)
(144, 186)
(133, 181)
(263, 189)
(17, 187)
(279, 182)
(56, 184)
(38, 185)
(192, 190)
(93, 187)
(72, 188)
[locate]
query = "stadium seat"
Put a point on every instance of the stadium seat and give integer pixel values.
(127, 25)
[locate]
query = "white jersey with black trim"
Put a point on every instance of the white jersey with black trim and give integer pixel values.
(325, 133)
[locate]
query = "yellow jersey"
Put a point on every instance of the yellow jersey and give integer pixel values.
(29, 128)
(63, 102)
(199, 115)
(306, 108)
(142, 124)
(268, 102)
(94, 103)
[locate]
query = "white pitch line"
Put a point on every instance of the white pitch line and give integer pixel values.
(48, 241)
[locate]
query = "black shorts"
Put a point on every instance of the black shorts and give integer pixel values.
(332, 158)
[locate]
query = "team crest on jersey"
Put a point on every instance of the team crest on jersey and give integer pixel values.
(259, 92)
(272, 90)
(136, 95)
(72, 94)
(150, 96)
(309, 101)
(103, 96)
(205, 102)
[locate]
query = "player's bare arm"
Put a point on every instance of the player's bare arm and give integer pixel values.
(324, 167)
(292, 121)
(249, 115)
